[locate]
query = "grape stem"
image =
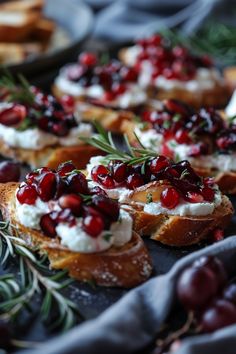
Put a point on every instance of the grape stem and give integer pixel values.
(166, 342)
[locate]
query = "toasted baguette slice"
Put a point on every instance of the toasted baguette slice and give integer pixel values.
(22, 5)
(230, 76)
(218, 96)
(109, 118)
(16, 26)
(126, 266)
(174, 230)
(43, 30)
(51, 156)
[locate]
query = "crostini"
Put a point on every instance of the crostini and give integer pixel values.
(203, 137)
(168, 71)
(169, 201)
(80, 228)
(35, 128)
(106, 92)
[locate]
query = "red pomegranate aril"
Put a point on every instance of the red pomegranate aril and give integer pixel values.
(208, 194)
(194, 197)
(134, 180)
(44, 123)
(26, 195)
(72, 202)
(129, 74)
(106, 181)
(109, 96)
(179, 52)
(118, 89)
(93, 225)
(9, 171)
(218, 235)
(98, 170)
(68, 103)
(60, 129)
(88, 59)
(97, 190)
(208, 181)
(48, 225)
(119, 172)
(158, 164)
(65, 168)
(77, 183)
(46, 186)
(107, 206)
(169, 74)
(169, 198)
(166, 151)
(13, 115)
(155, 40)
(182, 136)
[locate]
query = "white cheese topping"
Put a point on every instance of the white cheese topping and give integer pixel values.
(231, 107)
(133, 96)
(75, 238)
(204, 79)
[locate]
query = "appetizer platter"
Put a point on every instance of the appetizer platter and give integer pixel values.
(99, 213)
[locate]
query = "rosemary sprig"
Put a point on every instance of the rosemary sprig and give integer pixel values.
(34, 278)
(104, 141)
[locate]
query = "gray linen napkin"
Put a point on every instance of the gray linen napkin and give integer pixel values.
(132, 323)
(124, 20)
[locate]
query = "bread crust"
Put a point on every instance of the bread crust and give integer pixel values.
(174, 230)
(51, 156)
(126, 266)
(218, 96)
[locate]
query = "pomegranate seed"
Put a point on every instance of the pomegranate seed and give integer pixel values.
(218, 235)
(194, 197)
(106, 181)
(182, 136)
(61, 186)
(60, 129)
(93, 225)
(98, 190)
(166, 151)
(77, 183)
(65, 168)
(119, 172)
(48, 225)
(107, 206)
(179, 52)
(88, 59)
(208, 181)
(158, 164)
(31, 177)
(9, 171)
(129, 74)
(135, 180)
(169, 74)
(109, 96)
(44, 123)
(72, 202)
(46, 187)
(68, 103)
(169, 198)
(13, 115)
(155, 40)
(176, 106)
(118, 89)
(208, 194)
(26, 195)
(98, 170)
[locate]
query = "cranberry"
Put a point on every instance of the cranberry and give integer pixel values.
(107, 206)
(194, 197)
(182, 136)
(119, 171)
(106, 181)
(158, 164)
(98, 170)
(88, 59)
(13, 115)
(46, 187)
(134, 180)
(208, 194)
(48, 225)
(169, 198)
(68, 103)
(72, 202)
(77, 183)
(65, 168)
(26, 194)
(9, 171)
(93, 225)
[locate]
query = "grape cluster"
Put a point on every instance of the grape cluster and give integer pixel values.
(203, 289)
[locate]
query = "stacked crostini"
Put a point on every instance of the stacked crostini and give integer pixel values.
(180, 132)
(79, 228)
(168, 200)
(168, 71)
(40, 130)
